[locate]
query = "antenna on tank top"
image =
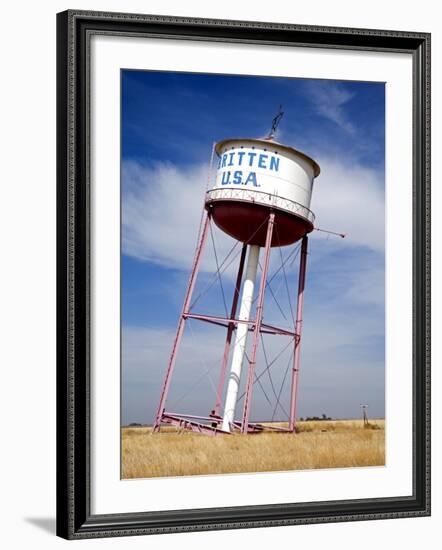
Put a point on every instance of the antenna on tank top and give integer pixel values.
(275, 123)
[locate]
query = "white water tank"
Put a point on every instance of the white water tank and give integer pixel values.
(255, 175)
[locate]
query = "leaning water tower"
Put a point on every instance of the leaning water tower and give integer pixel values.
(261, 197)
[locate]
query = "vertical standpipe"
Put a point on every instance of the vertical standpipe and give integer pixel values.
(239, 347)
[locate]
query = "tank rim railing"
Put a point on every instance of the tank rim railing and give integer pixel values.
(262, 198)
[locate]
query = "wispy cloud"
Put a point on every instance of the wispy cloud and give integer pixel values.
(162, 210)
(145, 357)
(349, 198)
(343, 338)
(344, 300)
(329, 101)
(339, 357)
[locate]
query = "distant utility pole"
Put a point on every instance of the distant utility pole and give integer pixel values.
(364, 414)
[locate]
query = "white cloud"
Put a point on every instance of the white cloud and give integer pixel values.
(162, 210)
(161, 214)
(145, 357)
(146, 351)
(340, 367)
(349, 198)
(367, 288)
(329, 100)
(341, 364)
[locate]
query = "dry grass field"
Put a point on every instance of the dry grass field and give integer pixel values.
(322, 444)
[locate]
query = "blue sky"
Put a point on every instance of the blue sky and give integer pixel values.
(169, 123)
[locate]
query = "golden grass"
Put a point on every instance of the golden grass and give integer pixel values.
(324, 444)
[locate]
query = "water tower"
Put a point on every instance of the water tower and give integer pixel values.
(260, 197)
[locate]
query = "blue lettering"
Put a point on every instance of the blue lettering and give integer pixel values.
(274, 163)
(251, 178)
(225, 178)
(224, 160)
(237, 177)
(231, 158)
(240, 155)
(251, 157)
(262, 161)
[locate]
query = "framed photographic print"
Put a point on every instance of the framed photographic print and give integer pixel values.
(243, 274)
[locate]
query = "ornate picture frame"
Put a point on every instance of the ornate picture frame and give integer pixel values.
(75, 516)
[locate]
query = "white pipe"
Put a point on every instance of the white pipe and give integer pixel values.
(239, 347)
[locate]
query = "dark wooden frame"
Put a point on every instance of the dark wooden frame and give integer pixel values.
(74, 520)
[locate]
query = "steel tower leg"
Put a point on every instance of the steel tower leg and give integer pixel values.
(257, 326)
(230, 329)
(298, 331)
(181, 322)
